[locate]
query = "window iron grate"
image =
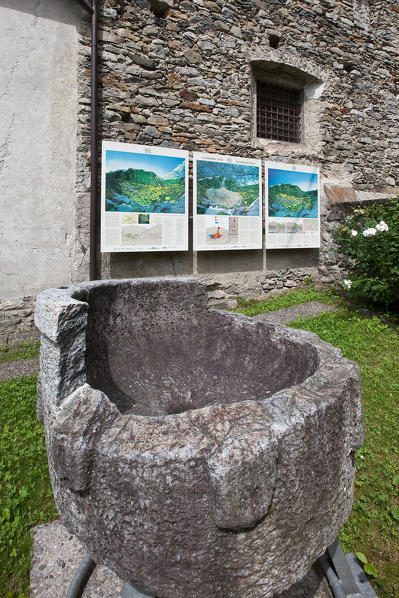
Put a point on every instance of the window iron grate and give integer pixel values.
(278, 112)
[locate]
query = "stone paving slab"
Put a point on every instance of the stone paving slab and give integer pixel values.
(56, 554)
(289, 314)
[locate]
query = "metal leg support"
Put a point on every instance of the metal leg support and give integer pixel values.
(344, 574)
(81, 577)
(342, 568)
(131, 591)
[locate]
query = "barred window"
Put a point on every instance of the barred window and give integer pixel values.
(278, 112)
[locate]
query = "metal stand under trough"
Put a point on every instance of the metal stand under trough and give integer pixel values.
(344, 574)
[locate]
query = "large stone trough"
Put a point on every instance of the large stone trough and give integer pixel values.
(197, 453)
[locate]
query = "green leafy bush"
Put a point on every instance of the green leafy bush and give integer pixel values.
(368, 244)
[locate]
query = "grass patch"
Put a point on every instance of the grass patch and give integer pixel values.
(19, 351)
(25, 492)
(252, 307)
(372, 528)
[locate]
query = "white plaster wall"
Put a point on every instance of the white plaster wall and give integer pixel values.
(38, 108)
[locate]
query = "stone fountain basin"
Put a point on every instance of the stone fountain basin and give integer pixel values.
(197, 453)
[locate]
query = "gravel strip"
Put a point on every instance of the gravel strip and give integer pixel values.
(290, 314)
(15, 369)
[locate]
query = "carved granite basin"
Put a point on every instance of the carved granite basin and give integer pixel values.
(197, 453)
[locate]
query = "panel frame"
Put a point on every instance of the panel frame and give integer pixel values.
(151, 151)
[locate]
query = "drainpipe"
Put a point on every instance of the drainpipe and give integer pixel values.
(91, 8)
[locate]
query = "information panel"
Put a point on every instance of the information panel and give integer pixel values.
(144, 196)
(292, 206)
(227, 206)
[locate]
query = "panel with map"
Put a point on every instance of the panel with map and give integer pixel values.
(227, 203)
(144, 198)
(292, 206)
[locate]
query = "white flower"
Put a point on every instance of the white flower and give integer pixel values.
(354, 233)
(347, 283)
(369, 232)
(382, 226)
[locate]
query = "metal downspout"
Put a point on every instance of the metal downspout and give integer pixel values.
(92, 9)
(94, 203)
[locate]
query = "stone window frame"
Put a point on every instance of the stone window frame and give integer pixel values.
(284, 71)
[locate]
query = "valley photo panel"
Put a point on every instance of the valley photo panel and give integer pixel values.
(292, 205)
(227, 202)
(144, 185)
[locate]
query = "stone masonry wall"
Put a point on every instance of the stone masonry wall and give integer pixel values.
(179, 74)
(16, 320)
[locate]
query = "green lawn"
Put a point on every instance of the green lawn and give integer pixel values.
(25, 493)
(372, 528)
(20, 351)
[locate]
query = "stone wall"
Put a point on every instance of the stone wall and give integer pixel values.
(16, 320)
(180, 74)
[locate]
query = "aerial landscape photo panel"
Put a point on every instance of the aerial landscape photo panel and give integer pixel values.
(144, 182)
(292, 193)
(227, 188)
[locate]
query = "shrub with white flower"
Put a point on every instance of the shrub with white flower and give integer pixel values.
(382, 226)
(369, 232)
(368, 252)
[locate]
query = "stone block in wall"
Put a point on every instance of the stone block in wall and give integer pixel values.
(223, 303)
(217, 294)
(343, 194)
(9, 322)
(16, 315)
(340, 194)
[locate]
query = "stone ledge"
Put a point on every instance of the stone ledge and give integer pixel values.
(346, 194)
